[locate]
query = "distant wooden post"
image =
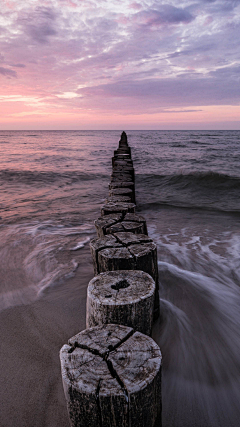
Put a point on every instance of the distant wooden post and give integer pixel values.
(118, 199)
(112, 377)
(122, 207)
(124, 191)
(122, 297)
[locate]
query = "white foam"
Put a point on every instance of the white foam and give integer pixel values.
(57, 276)
(80, 245)
(38, 256)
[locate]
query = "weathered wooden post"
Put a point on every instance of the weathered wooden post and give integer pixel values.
(122, 150)
(124, 191)
(124, 169)
(121, 176)
(112, 377)
(121, 161)
(132, 217)
(120, 184)
(118, 199)
(110, 207)
(111, 372)
(112, 223)
(122, 297)
(128, 251)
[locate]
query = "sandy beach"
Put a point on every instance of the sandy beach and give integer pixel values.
(31, 337)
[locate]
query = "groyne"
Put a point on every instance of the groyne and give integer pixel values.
(111, 371)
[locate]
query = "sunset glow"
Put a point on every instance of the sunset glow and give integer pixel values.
(72, 64)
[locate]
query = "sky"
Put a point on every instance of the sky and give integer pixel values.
(79, 64)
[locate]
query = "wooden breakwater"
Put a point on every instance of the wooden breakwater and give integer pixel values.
(111, 371)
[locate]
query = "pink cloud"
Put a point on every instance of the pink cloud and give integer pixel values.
(208, 20)
(135, 6)
(118, 65)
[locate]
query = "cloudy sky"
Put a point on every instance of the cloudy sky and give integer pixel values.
(79, 64)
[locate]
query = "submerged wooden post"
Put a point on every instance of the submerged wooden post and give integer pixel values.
(112, 377)
(122, 297)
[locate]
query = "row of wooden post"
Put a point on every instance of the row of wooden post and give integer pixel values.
(111, 371)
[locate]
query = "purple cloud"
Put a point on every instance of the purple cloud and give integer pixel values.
(39, 24)
(145, 56)
(161, 15)
(165, 92)
(7, 72)
(18, 65)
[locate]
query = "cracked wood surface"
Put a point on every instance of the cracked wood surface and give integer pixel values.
(109, 224)
(112, 377)
(129, 251)
(110, 207)
(121, 297)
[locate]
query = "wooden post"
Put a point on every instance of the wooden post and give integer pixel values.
(121, 178)
(121, 184)
(124, 191)
(123, 208)
(125, 150)
(123, 140)
(122, 175)
(112, 373)
(105, 221)
(122, 162)
(124, 169)
(97, 245)
(110, 224)
(137, 218)
(129, 252)
(123, 156)
(122, 297)
(118, 199)
(112, 377)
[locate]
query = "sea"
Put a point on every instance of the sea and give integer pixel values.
(52, 186)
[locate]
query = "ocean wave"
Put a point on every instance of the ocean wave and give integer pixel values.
(31, 177)
(196, 206)
(196, 190)
(207, 179)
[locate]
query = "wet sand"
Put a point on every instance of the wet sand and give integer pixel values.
(31, 337)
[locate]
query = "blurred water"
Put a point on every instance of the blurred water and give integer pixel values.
(52, 185)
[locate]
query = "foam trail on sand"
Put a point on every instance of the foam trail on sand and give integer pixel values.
(38, 255)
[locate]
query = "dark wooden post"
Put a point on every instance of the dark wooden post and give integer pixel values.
(123, 208)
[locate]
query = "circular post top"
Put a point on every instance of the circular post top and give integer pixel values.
(121, 287)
